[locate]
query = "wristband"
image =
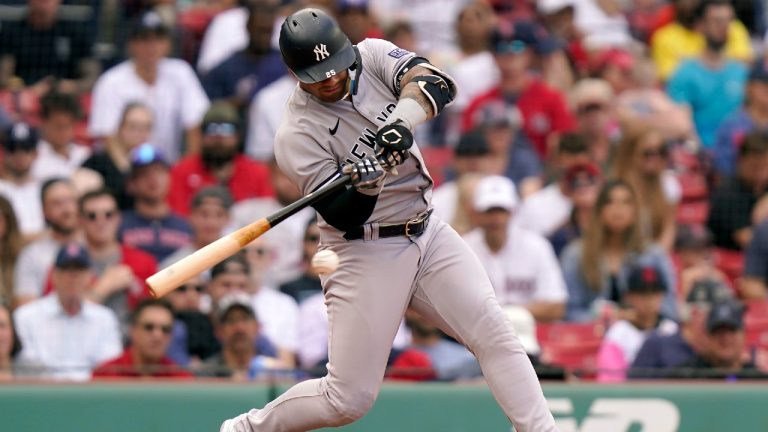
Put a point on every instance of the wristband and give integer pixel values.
(409, 112)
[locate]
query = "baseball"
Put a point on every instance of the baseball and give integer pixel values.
(325, 262)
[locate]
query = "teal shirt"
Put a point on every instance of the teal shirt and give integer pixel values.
(712, 94)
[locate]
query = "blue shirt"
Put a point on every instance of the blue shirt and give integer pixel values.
(661, 352)
(451, 361)
(158, 237)
(728, 139)
(243, 75)
(581, 296)
(711, 94)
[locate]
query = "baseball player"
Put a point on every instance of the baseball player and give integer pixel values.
(352, 104)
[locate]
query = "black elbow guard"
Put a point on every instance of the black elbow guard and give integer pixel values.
(436, 89)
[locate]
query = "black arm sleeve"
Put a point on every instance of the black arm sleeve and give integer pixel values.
(347, 208)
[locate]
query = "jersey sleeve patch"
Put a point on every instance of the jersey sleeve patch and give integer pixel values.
(398, 53)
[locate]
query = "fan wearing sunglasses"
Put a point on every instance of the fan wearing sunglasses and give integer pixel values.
(220, 162)
(150, 335)
(642, 161)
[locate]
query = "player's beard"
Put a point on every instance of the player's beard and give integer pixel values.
(218, 156)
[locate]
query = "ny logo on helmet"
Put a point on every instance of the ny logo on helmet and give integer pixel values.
(321, 52)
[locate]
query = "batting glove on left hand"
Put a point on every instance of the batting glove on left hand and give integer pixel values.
(392, 143)
(367, 175)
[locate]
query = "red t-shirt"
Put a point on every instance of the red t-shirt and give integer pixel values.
(250, 179)
(123, 366)
(543, 109)
(141, 263)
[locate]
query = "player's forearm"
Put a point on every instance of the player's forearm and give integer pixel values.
(425, 92)
(547, 311)
(412, 91)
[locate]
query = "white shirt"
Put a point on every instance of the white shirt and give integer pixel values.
(673, 191)
(466, 73)
(51, 164)
(629, 339)
(33, 265)
(177, 99)
(313, 331)
(524, 271)
(265, 114)
(544, 211)
(285, 240)
(66, 347)
(445, 200)
(600, 29)
(278, 315)
(225, 35)
(25, 200)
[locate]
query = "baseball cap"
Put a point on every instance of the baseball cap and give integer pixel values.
(726, 314)
(495, 192)
(547, 7)
(219, 193)
(496, 113)
(234, 301)
(645, 279)
(582, 175)
(708, 291)
(345, 5)
(591, 91)
(472, 144)
(20, 136)
(145, 155)
(525, 327)
(234, 264)
(513, 38)
(221, 119)
(759, 71)
(693, 237)
(615, 57)
(72, 255)
(149, 23)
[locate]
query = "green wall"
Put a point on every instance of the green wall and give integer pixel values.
(201, 406)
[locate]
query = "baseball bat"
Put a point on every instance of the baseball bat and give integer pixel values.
(170, 278)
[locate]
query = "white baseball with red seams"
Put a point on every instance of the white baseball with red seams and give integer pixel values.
(325, 262)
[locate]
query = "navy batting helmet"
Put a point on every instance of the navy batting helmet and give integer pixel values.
(314, 47)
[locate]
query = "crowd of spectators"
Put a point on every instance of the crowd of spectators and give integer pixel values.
(606, 160)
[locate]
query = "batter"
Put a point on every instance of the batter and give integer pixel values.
(354, 103)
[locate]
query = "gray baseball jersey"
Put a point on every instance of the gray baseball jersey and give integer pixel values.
(315, 138)
(435, 273)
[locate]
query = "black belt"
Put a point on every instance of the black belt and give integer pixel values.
(413, 228)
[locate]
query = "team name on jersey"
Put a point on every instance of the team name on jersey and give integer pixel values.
(367, 137)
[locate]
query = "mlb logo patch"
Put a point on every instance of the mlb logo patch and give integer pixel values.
(398, 52)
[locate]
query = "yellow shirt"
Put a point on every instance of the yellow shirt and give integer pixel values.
(673, 43)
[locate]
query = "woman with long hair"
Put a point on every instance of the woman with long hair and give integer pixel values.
(9, 343)
(114, 163)
(597, 265)
(10, 246)
(641, 161)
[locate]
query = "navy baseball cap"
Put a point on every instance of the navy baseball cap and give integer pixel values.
(73, 255)
(513, 38)
(145, 155)
(708, 291)
(20, 136)
(471, 144)
(726, 314)
(149, 24)
(645, 279)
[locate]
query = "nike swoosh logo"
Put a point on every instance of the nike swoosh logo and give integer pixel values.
(335, 128)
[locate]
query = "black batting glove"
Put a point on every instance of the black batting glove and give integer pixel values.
(392, 143)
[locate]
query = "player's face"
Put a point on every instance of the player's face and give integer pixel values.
(646, 305)
(494, 221)
(651, 155)
(151, 334)
(19, 162)
(187, 296)
(151, 182)
(71, 283)
(100, 220)
(329, 90)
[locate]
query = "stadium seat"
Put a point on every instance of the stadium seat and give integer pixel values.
(756, 324)
(730, 262)
(578, 358)
(694, 187)
(569, 333)
(693, 213)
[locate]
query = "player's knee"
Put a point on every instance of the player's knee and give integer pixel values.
(352, 405)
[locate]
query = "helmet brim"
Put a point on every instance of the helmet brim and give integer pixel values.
(333, 65)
